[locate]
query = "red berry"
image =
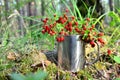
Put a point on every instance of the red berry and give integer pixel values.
(61, 33)
(47, 28)
(88, 19)
(66, 10)
(92, 43)
(101, 40)
(100, 34)
(58, 39)
(64, 15)
(76, 23)
(51, 25)
(82, 32)
(94, 33)
(90, 29)
(93, 26)
(44, 21)
(54, 24)
(66, 27)
(109, 51)
(70, 24)
(61, 38)
(84, 28)
(70, 29)
(43, 31)
(77, 29)
(72, 17)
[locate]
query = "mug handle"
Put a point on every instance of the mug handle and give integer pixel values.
(98, 55)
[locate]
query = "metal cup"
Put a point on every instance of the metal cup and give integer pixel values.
(71, 53)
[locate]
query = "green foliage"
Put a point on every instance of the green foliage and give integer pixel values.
(39, 75)
(117, 59)
(117, 79)
(115, 19)
(114, 28)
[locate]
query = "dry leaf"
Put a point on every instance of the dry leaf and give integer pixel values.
(11, 56)
(47, 62)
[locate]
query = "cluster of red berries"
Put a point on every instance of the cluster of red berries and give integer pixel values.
(61, 26)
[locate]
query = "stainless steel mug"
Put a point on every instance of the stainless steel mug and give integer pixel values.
(71, 53)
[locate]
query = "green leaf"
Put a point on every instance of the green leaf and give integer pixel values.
(16, 76)
(117, 79)
(117, 59)
(39, 75)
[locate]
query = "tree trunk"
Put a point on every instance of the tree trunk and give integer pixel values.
(6, 9)
(98, 9)
(42, 7)
(111, 5)
(35, 9)
(20, 21)
(30, 13)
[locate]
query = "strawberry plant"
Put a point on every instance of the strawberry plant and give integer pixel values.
(64, 25)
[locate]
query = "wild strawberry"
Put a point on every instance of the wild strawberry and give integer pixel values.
(92, 43)
(66, 10)
(51, 33)
(84, 28)
(101, 40)
(51, 25)
(94, 33)
(66, 27)
(47, 28)
(76, 23)
(62, 21)
(90, 29)
(88, 19)
(61, 38)
(70, 24)
(70, 29)
(43, 31)
(93, 26)
(44, 21)
(86, 24)
(109, 51)
(100, 34)
(72, 17)
(62, 32)
(65, 33)
(77, 29)
(82, 32)
(58, 39)
(54, 24)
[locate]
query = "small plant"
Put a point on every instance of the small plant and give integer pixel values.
(64, 25)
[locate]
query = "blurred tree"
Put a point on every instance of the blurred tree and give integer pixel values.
(111, 5)
(43, 7)
(6, 9)
(20, 22)
(90, 3)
